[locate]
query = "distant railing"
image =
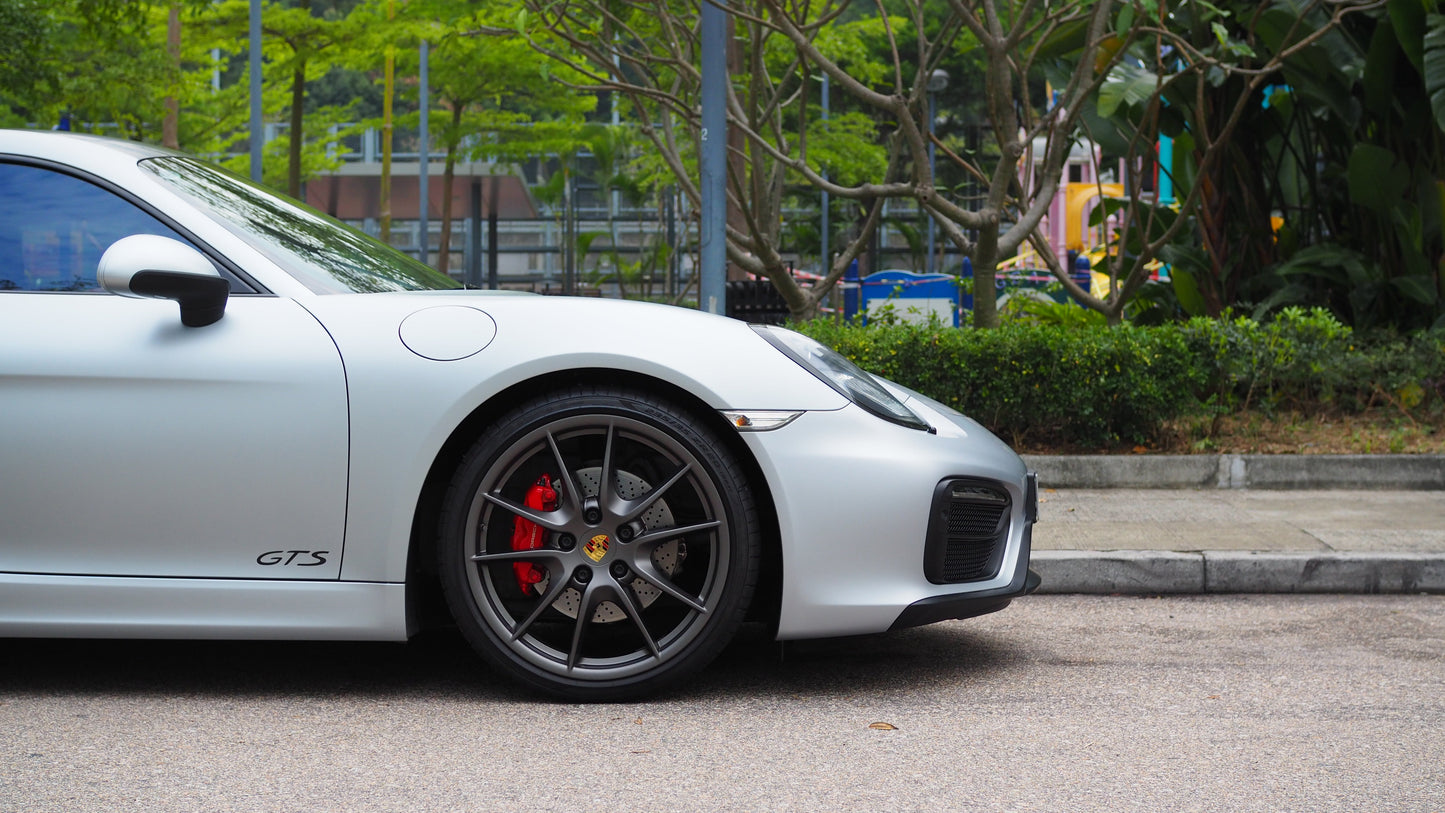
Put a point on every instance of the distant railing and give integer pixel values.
(534, 247)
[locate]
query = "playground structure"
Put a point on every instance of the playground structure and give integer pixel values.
(1067, 228)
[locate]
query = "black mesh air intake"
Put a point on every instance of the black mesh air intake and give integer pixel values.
(967, 532)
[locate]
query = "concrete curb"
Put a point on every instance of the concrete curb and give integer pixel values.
(1158, 572)
(1262, 471)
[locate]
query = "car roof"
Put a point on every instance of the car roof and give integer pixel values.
(81, 150)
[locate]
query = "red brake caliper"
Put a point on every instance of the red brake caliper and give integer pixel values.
(528, 535)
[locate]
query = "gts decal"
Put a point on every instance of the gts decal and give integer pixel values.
(289, 557)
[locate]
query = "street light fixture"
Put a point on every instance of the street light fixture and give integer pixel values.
(937, 81)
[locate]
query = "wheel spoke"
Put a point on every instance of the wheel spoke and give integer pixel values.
(650, 574)
(547, 554)
(571, 493)
(656, 535)
(547, 519)
(558, 586)
(586, 606)
(633, 610)
(605, 485)
(633, 509)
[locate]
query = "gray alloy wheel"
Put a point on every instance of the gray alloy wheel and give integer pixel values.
(644, 560)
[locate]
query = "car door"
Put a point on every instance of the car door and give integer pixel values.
(133, 446)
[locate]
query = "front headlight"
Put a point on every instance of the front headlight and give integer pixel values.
(852, 381)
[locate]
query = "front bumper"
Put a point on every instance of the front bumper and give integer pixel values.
(969, 605)
(856, 498)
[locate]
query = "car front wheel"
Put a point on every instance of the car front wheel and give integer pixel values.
(598, 544)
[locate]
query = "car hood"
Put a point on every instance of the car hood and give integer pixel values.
(502, 338)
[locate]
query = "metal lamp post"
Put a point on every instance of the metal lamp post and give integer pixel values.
(712, 160)
(258, 135)
(938, 80)
(825, 251)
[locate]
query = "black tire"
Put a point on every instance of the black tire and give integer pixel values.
(643, 580)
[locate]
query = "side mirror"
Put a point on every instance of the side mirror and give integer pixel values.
(154, 267)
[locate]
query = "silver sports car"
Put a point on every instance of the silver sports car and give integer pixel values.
(225, 415)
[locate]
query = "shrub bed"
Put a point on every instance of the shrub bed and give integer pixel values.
(1100, 387)
(1306, 360)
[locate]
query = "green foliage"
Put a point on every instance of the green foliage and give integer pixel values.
(1433, 66)
(26, 69)
(1127, 85)
(105, 62)
(1338, 127)
(1025, 306)
(1353, 165)
(86, 58)
(1378, 180)
(1356, 283)
(1097, 387)
(1306, 359)
(843, 147)
(510, 102)
(317, 157)
(1287, 359)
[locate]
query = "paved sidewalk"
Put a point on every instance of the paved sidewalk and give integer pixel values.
(1225, 535)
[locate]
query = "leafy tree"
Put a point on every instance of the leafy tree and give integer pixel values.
(646, 54)
(1014, 42)
(499, 99)
(1357, 171)
(611, 166)
(94, 56)
(1224, 81)
(300, 46)
(28, 73)
(123, 67)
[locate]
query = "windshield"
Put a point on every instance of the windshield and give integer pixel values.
(324, 254)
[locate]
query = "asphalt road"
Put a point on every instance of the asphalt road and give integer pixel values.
(1228, 703)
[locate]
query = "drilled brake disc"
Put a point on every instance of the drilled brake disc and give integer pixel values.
(666, 557)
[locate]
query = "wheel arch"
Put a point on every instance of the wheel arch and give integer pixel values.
(425, 606)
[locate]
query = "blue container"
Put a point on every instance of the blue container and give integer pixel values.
(912, 297)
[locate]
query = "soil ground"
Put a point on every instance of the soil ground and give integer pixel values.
(1379, 431)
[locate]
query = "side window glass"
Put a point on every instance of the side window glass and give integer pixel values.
(54, 227)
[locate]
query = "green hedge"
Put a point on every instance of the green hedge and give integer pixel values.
(1090, 386)
(1100, 387)
(1307, 360)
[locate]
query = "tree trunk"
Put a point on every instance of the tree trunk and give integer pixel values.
(298, 103)
(388, 83)
(171, 124)
(293, 157)
(444, 258)
(985, 276)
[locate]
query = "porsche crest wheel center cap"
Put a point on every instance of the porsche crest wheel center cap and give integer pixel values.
(596, 547)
